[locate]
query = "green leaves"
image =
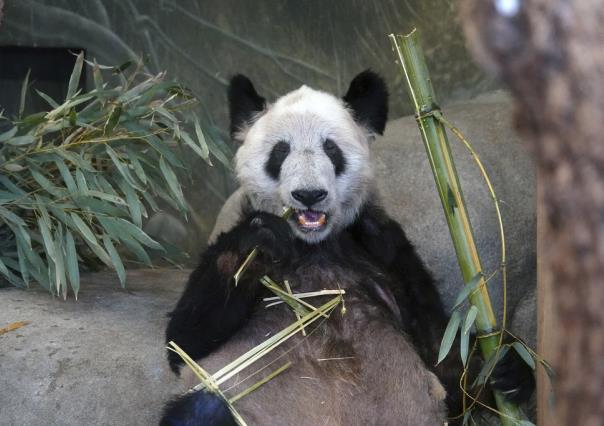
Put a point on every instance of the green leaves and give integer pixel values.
(71, 258)
(24, 87)
(467, 290)
(470, 318)
(449, 336)
(74, 79)
(524, 354)
(172, 181)
(78, 180)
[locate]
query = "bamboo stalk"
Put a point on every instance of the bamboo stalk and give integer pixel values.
(434, 136)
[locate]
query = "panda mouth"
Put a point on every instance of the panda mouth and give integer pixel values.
(310, 220)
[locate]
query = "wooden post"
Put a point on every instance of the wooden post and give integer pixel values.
(550, 54)
(546, 321)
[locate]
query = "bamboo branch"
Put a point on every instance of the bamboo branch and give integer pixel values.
(411, 59)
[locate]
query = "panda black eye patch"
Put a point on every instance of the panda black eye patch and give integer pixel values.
(335, 154)
(276, 158)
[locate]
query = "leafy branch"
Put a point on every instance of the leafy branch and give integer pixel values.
(77, 181)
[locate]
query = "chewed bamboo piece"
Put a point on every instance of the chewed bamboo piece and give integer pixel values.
(250, 257)
(277, 300)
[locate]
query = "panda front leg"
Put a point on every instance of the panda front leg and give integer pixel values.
(212, 308)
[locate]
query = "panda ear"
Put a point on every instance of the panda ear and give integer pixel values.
(244, 102)
(367, 96)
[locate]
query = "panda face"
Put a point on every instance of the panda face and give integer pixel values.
(307, 151)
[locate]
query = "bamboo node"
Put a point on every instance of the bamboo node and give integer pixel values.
(486, 334)
(427, 110)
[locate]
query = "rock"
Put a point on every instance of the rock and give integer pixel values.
(407, 186)
(96, 361)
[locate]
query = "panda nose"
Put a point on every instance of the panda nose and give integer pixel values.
(309, 197)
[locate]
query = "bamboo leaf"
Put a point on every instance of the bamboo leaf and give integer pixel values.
(8, 134)
(113, 119)
(466, 417)
(172, 181)
(11, 217)
(97, 77)
(60, 276)
(81, 182)
(163, 111)
(464, 346)
(136, 232)
(467, 289)
(74, 79)
(101, 254)
(49, 244)
(50, 101)
(217, 152)
(488, 366)
(449, 336)
(73, 117)
(136, 165)
(121, 68)
(551, 374)
(22, 262)
(71, 257)
(45, 183)
(115, 259)
(24, 87)
(77, 160)
(21, 140)
(164, 150)
(41, 206)
(149, 199)
(470, 318)
(66, 175)
(84, 229)
(205, 151)
(108, 197)
(139, 252)
(187, 140)
(121, 167)
(10, 276)
(9, 185)
(14, 167)
(524, 354)
(134, 204)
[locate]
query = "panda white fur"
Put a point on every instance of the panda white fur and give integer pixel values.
(310, 150)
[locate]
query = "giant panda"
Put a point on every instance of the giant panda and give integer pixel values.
(373, 364)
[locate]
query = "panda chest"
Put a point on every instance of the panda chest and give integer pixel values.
(317, 282)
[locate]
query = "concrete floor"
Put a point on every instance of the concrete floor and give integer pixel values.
(96, 361)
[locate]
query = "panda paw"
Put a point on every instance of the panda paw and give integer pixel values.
(513, 378)
(271, 234)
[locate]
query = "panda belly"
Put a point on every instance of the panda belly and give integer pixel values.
(355, 368)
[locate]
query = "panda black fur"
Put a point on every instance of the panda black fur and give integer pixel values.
(310, 151)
